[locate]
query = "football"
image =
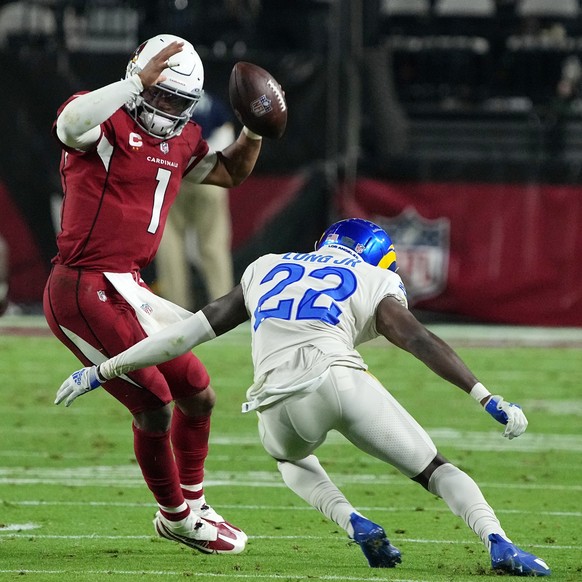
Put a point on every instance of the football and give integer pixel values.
(257, 100)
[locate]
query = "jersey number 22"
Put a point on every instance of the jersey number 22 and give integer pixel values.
(306, 308)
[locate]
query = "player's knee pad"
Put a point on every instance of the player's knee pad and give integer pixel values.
(199, 403)
(157, 420)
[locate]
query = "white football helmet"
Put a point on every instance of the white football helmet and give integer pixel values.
(164, 109)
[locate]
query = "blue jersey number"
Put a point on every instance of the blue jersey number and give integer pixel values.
(306, 308)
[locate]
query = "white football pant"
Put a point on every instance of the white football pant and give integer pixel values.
(355, 404)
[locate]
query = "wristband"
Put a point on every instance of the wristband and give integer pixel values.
(478, 392)
(99, 376)
(251, 134)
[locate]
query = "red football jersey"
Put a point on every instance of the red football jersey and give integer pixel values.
(117, 196)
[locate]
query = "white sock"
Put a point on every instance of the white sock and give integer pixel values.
(465, 500)
(179, 523)
(195, 504)
(308, 479)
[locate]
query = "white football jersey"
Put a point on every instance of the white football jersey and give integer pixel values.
(309, 311)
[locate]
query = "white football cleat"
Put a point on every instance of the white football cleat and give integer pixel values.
(200, 535)
(207, 513)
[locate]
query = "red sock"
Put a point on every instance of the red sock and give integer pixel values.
(154, 456)
(190, 436)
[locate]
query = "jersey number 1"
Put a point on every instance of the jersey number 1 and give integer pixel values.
(163, 178)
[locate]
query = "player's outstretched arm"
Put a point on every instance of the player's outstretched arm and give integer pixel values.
(213, 320)
(235, 163)
(401, 328)
(227, 312)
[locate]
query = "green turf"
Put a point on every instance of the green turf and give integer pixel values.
(70, 474)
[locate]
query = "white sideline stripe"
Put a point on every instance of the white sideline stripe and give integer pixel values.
(251, 537)
(229, 576)
(34, 503)
(495, 334)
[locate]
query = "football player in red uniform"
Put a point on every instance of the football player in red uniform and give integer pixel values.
(126, 147)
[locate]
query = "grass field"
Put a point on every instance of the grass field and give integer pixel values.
(74, 507)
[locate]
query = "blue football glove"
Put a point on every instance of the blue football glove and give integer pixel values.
(509, 414)
(78, 383)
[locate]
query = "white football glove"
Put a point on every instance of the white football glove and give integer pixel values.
(78, 383)
(509, 414)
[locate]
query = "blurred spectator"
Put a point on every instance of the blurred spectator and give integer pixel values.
(569, 84)
(198, 229)
(567, 91)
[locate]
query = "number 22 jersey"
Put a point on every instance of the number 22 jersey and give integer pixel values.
(322, 302)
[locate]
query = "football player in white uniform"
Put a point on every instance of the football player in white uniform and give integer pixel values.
(308, 312)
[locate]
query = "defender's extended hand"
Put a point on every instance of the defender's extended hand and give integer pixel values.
(78, 383)
(509, 414)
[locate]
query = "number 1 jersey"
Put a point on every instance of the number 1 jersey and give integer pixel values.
(118, 194)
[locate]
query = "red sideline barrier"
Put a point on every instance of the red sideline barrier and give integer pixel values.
(257, 200)
(27, 271)
(503, 253)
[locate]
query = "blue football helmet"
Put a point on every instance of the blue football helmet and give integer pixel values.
(370, 242)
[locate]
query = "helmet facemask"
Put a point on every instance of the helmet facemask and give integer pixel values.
(162, 110)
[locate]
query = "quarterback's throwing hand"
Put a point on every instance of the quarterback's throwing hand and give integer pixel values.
(78, 383)
(509, 414)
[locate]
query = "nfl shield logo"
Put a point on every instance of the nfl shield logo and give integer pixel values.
(422, 250)
(165, 147)
(261, 106)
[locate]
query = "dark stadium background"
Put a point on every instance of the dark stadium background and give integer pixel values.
(456, 124)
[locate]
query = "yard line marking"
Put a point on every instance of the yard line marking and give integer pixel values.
(137, 483)
(230, 575)
(35, 503)
(130, 476)
(88, 456)
(395, 539)
(443, 436)
(19, 526)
